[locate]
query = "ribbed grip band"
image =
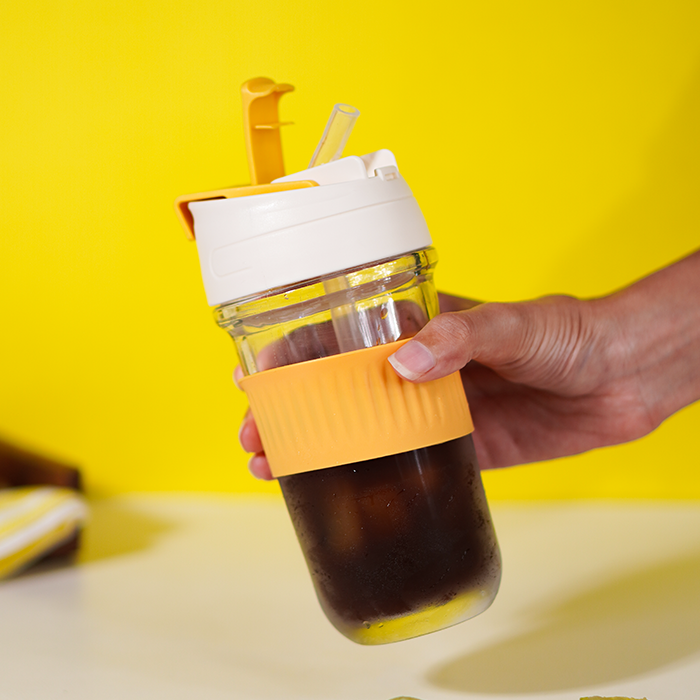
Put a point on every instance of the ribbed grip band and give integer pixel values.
(349, 408)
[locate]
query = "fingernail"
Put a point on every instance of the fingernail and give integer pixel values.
(412, 360)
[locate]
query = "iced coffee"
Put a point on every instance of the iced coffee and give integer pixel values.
(393, 540)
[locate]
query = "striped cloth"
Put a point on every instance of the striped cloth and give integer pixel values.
(34, 520)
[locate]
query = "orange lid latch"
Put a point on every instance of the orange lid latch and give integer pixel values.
(261, 125)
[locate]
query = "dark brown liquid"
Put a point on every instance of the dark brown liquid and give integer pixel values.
(391, 536)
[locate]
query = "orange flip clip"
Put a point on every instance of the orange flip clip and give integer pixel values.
(260, 97)
(261, 124)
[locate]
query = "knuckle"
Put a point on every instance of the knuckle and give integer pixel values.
(454, 333)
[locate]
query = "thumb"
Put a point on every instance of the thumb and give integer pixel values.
(500, 336)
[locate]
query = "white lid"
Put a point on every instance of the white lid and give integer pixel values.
(362, 211)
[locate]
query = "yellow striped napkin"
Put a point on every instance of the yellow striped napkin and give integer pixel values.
(34, 520)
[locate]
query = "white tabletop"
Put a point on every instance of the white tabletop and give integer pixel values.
(208, 597)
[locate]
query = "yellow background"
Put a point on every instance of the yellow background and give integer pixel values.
(554, 147)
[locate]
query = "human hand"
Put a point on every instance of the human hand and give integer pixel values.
(533, 372)
(558, 376)
(544, 378)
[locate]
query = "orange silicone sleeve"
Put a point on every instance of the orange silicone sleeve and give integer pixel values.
(349, 408)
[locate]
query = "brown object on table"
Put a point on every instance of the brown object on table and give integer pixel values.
(20, 467)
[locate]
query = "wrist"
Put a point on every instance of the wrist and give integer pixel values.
(654, 336)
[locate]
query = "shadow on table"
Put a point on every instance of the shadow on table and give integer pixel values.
(115, 528)
(652, 618)
(621, 629)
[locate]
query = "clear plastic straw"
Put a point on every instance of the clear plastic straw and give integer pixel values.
(346, 317)
(335, 136)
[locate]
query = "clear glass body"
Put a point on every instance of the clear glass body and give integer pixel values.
(400, 545)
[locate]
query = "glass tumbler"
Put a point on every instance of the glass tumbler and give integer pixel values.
(400, 544)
